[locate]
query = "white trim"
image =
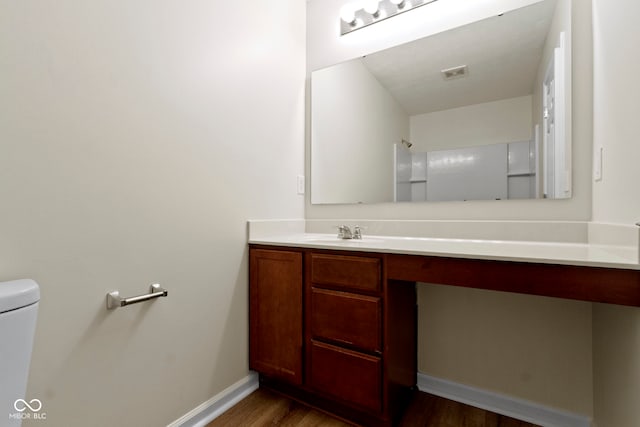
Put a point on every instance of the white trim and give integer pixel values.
(501, 404)
(520, 409)
(218, 404)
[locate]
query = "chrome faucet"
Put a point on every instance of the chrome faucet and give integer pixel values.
(344, 232)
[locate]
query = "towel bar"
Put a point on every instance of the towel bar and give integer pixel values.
(114, 300)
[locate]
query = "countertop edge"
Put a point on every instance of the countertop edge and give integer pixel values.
(626, 264)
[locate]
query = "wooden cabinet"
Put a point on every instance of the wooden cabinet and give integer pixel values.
(337, 328)
(357, 357)
(275, 317)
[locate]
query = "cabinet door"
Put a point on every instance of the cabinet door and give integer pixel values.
(275, 295)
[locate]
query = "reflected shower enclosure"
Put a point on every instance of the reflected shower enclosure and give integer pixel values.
(477, 112)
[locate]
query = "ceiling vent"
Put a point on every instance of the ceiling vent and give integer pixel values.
(455, 72)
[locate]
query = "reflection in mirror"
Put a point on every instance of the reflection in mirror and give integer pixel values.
(474, 113)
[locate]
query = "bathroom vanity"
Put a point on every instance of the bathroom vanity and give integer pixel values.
(330, 328)
(333, 322)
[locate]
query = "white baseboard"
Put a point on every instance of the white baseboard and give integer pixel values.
(218, 404)
(501, 404)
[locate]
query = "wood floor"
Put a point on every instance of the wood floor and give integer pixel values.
(265, 408)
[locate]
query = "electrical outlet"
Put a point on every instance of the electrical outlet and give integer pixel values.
(597, 164)
(300, 182)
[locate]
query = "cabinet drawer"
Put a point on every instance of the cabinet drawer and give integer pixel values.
(346, 318)
(347, 375)
(353, 272)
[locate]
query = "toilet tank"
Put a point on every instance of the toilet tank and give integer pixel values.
(18, 313)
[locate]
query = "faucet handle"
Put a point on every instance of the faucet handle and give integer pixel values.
(344, 232)
(357, 232)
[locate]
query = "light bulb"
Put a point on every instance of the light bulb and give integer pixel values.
(348, 13)
(372, 7)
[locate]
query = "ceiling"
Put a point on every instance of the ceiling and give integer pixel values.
(502, 54)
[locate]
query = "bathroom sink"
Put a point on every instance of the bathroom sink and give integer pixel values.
(333, 240)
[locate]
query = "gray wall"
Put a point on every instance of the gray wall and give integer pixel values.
(616, 341)
(136, 139)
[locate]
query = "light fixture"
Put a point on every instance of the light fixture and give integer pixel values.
(399, 3)
(372, 7)
(374, 11)
(348, 14)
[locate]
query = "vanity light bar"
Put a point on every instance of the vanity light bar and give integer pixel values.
(375, 11)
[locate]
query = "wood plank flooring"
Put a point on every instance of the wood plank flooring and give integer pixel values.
(265, 408)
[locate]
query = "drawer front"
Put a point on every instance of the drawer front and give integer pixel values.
(347, 375)
(361, 273)
(346, 318)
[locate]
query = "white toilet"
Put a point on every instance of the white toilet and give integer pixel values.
(18, 313)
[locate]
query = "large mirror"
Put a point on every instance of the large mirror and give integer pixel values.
(479, 112)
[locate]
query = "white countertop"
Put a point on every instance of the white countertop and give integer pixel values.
(584, 254)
